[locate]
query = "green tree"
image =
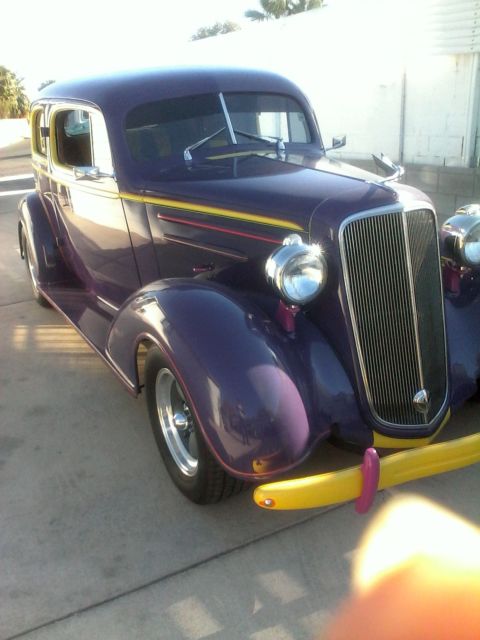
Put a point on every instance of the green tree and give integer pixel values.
(304, 5)
(216, 29)
(13, 100)
(281, 8)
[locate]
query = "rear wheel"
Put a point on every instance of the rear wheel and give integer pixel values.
(187, 458)
(32, 271)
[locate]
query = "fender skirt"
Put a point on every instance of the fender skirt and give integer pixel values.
(258, 402)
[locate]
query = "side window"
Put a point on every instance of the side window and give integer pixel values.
(73, 138)
(82, 140)
(38, 139)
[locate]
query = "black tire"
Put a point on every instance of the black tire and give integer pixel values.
(32, 272)
(203, 483)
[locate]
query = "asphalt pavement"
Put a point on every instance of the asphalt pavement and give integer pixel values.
(95, 542)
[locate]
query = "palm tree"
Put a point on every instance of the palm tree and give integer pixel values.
(304, 5)
(281, 8)
(271, 9)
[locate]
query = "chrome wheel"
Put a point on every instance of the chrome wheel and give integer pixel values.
(176, 423)
(187, 457)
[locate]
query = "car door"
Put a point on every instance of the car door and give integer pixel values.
(94, 234)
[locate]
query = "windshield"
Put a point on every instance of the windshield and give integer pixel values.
(267, 115)
(165, 129)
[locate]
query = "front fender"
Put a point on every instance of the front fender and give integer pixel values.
(35, 222)
(244, 379)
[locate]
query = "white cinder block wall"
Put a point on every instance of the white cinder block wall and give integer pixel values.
(396, 77)
(369, 71)
(438, 117)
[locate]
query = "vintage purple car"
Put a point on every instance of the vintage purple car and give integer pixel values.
(281, 298)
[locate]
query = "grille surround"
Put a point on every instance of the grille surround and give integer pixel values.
(396, 311)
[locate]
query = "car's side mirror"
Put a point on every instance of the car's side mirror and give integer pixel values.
(337, 142)
(90, 173)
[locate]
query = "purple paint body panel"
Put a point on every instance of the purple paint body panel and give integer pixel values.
(136, 243)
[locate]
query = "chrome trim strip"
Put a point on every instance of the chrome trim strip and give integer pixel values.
(229, 253)
(413, 303)
(107, 303)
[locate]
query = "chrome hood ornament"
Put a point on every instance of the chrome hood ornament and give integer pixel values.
(393, 171)
(421, 401)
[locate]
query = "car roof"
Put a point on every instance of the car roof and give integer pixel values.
(120, 91)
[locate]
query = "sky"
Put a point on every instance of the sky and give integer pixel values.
(56, 39)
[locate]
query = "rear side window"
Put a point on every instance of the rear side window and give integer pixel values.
(38, 132)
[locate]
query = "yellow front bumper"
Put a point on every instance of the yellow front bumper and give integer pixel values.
(347, 484)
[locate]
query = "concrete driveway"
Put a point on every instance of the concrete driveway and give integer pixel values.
(95, 542)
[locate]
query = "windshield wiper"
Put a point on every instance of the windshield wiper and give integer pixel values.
(187, 156)
(280, 145)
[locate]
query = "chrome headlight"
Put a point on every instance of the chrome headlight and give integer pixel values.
(463, 235)
(297, 271)
(471, 247)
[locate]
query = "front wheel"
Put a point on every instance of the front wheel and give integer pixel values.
(187, 458)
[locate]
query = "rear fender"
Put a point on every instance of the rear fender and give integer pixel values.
(248, 387)
(35, 221)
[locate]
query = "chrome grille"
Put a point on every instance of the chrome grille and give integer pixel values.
(392, 276)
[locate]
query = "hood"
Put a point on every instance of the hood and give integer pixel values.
(291, 189)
